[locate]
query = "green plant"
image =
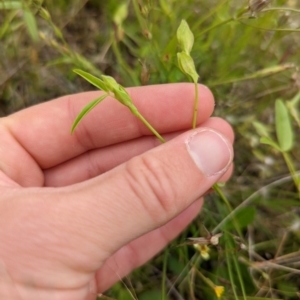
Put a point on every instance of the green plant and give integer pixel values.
(186, 64)
(111, 87)
(248, 58)
(185, 39)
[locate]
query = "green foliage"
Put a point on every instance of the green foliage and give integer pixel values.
(284, 128)
(86, 110)
(186, 63)
(98, 83)
(120, 14)
(109, 85)
(31, 25)
(185, 40)
(242, 219)
(152, 294)
(187, 66)
(246, 66)
(270, 142)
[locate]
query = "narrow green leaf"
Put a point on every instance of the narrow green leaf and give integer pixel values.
(272, 70)
(187, 66)
(86, 110)
(11, 5)
(259, 74)
(261, 129)
(284, 130)
(267, 141)
(31, 25)
(185, 37)
(92, 79)
(121, 13)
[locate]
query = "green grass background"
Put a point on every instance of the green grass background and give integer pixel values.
(248, 60)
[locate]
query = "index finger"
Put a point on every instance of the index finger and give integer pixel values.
(44, 130)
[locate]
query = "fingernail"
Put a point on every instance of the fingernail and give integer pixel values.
(210, 150)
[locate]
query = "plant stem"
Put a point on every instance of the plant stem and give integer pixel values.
(195, 106)
(138, 115)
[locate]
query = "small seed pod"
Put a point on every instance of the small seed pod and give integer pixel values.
(187, 66)
(185, 37)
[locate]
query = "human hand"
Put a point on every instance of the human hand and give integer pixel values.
(77, 212)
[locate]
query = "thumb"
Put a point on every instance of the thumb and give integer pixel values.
(151, 189)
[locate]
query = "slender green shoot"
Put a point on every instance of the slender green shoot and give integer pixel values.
(109, 85)
(185, 39)
(230, 273)
(196, 104)
(86, 110)
(151, 128)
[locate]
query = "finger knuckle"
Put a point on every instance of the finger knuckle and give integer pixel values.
(152, 183)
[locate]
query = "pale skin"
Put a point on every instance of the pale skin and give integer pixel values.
(78, 212)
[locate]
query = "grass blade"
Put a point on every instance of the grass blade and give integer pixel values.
(259, 74)
(230, 273)
(86, 110)
(31, 25)
(95, 81)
